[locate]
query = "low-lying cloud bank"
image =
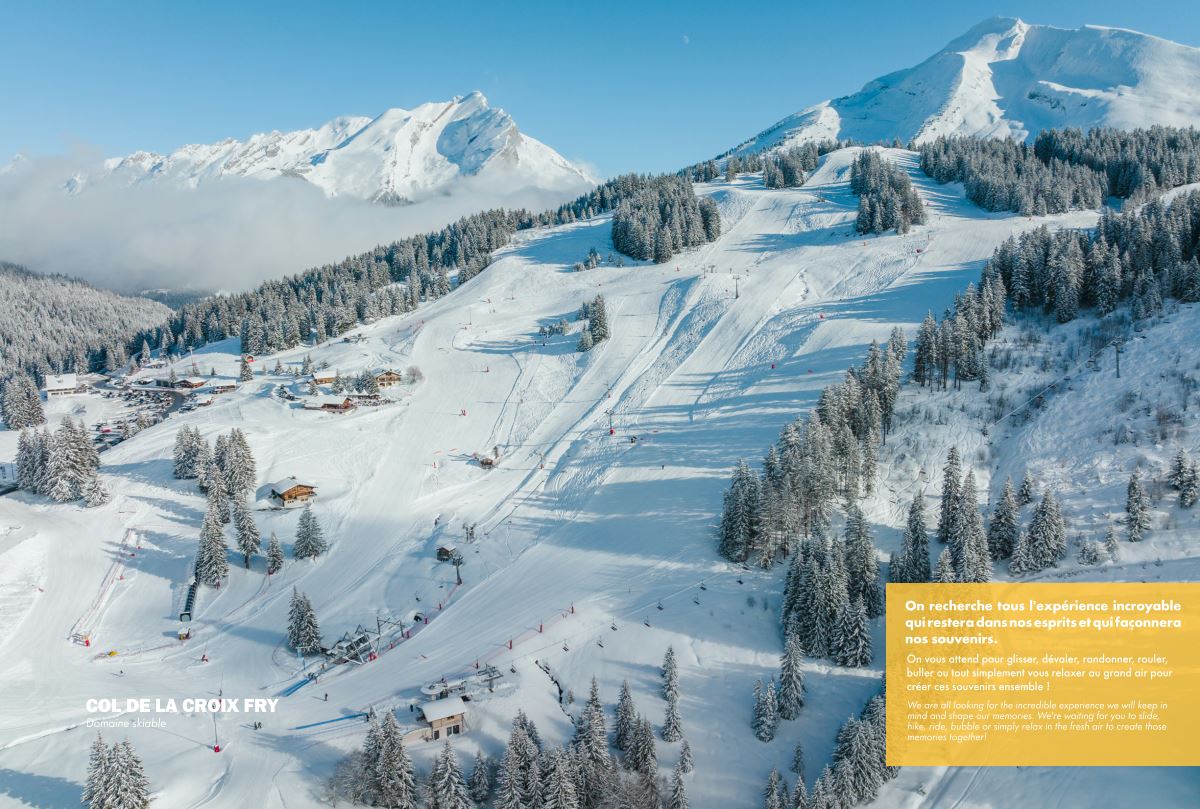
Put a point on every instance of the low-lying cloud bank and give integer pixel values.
(227, 234)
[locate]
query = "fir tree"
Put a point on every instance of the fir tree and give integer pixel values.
(1189, 487)
(248, 537)
(944, 572)
(127, 786)
(766, 711)
(798, 762)
(852, 636)
(310, 541)
(245, 374)
(1111, 546)
(976, 563)
(446, 788)
(94, 493)
(678, 798)
(791, 678)
(1026, 493)
(1003, 529)
(949, 509)
(303, 634)
(1137, 508)
(772, 796)
(393, 778)
(480, 785)
(862, 565)
(95, 789)
(685, 757)
(1179, 470)
(559, 790)
(626, 718)
(670, 674)
(672, 730)
(212, 562)
(274, 555)
(912, 565)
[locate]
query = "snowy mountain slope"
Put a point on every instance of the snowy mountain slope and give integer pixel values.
(1009, 79)
(577, 532)
(399, 156)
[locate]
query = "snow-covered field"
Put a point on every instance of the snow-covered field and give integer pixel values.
(579, 539)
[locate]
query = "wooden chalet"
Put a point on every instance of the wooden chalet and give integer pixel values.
(445, 717)
(222, 387)
(324, 377)
(331, 404)
(291, 492)
(388, 378)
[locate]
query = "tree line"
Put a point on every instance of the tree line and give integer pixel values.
(663, 218)
(886, 197)
(1065, 169)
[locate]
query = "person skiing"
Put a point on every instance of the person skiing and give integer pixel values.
(327, 697)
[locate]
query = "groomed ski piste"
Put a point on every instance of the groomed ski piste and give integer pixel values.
(594, 548)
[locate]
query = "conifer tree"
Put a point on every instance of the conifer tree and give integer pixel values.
(862, 565)
(798, 762)
(672, 730)
(95, 789)
(127, 786)
(1179, 469)
(1026, 493)
(948, 511)
(944, 572)
(94, 493)
(772, 796)
(245, 374)
(212, 563)
(304, 634)
(685, 757)
(852, 637)
(274, 555)
(394, 780)
(446, 788)
(678, 798)
(248, 537)
(912, 565)
(766, 711)
(976, 563)
(1189, 487)
(559, 791)
(1137, 508)
(480, 785)
(670, 674)
(310, 540)
(626, 718)
(1003, 529)
(791, 678)
(1111, 547)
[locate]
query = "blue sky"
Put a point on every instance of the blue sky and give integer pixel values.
(647, 86)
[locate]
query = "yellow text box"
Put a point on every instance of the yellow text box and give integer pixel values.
(1012, 674)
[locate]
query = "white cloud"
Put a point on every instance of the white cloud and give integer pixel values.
(229, 234)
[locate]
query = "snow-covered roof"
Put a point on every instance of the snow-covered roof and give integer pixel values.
(443, 708)
(62, 382)
(193, 380)
(289, 483)
(325, 374)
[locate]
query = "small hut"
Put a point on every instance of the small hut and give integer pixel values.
(445, 551)
(444, 716)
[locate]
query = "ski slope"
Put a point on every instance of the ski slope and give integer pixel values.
(587, 557)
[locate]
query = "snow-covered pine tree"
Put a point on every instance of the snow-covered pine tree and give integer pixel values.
(310, 541)
(678, 799)
(187, 446)
(772, 795)
(31, 454)
(598, 319)
(1089, 552)
(976, 558)
(248, 537)
(218, 496)
(1179, 469)
(798, 762)
(915, 552)
(626, 721)
(240, 468)
(1026, 493)
(1003, 528)
(446, 788)
(672, 730)
(857, 770)
(594, 764)
(1189, 488)
(20, 403)
(393, 778)
(212, 563)
(206, 468)
(586, 341)
(245, 374)
(512, 775)
(64, 472)
(127, 786)
(766, 711)
(303, 633)
(685, 757)
(559, 791)
(948, 510)
(274, 555)
(94, 492)
(862, 565)
(1137, 508)
(1111, 546)
(641, 756)
(95, 788)
(852, 638)
(670, 674)
(791, 678)
(480, 784)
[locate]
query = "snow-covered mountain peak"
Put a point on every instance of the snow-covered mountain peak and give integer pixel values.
(398, 156)
(1007, 78)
